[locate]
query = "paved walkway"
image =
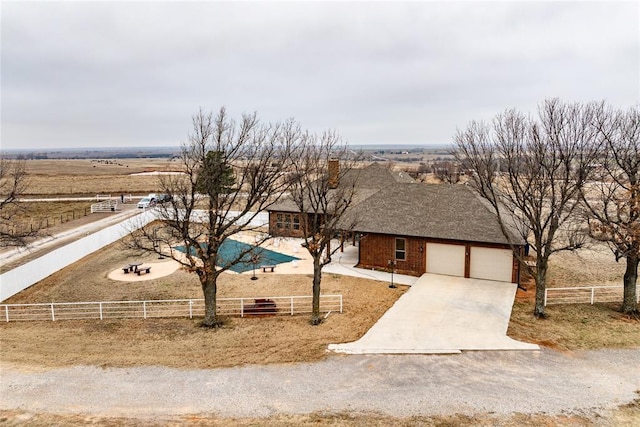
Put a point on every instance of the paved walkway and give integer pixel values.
(343, 263)
(443, 314)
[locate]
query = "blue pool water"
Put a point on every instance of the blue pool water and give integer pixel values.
(230, 249)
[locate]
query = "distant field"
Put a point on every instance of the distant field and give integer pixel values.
(90, 177)
(86, 177)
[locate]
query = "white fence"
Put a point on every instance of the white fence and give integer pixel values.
(106, 206)
(289, 305)
(585, 295)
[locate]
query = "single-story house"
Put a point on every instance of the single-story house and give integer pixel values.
(434, 228)
(418, 228)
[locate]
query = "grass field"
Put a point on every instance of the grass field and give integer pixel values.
(43, 215)
(91, 177)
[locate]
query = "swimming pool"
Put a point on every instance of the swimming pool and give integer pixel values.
(230, 249)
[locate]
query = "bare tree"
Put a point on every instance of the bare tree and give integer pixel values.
(323, 190)
(13, 183)
(447, 172)
(613, 200)
(233, 172)
(546, 163)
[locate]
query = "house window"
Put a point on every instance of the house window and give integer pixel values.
(279, 221)
(401, 253)
(287, 221)
(296, 222)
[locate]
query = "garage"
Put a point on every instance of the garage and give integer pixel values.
(491, 264)
(445, 259)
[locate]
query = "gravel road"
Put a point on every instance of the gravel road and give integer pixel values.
(398, 385)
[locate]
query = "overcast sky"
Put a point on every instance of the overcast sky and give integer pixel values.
(109, 74)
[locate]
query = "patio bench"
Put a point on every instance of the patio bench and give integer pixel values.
(143, 269)
(265, 267)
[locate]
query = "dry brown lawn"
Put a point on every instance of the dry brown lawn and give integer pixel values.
(576, 326)
(573, 326)
(44, 216)
(594, 266)
(624, 416)
(181, 342)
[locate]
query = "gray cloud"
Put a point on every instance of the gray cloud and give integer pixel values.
(89, 74)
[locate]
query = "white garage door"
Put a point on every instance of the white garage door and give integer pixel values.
(445, 259)
(491, 264)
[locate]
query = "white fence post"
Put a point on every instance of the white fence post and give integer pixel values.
(241, 307)
(593, 291)
(53, 313)
(292, 306)
(101, 311)
(340, 303)
(190, 309)
(545, 297)
(144, 309)
(6, 312)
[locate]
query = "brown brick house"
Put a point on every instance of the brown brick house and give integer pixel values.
(418, 228)
(434, 228)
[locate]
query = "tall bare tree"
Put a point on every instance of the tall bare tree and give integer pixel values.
(546, 163)
(13, 183)
(613, 198)
(324, 188)
(233, 172)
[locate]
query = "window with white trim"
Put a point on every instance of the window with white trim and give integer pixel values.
(401, 252)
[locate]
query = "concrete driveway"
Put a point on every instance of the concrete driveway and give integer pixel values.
(443, 314)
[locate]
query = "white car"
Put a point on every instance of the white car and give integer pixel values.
(146, 202)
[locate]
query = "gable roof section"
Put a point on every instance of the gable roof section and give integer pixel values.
(439, 211)
(368, 180)
(376, 176)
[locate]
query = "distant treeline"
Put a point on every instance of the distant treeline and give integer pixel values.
(169, 152)
(92, 154)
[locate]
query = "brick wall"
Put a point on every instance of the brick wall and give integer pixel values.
(377, 249)
(283, 231)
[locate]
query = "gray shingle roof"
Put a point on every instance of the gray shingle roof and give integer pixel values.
(376, 176)
(439, 211)
(368, 180)
(387, 202)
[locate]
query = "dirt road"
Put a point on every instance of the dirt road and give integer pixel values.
(488, 382)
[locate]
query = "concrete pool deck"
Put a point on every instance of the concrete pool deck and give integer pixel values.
(342, 263)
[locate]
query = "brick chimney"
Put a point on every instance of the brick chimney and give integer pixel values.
(334, 173)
